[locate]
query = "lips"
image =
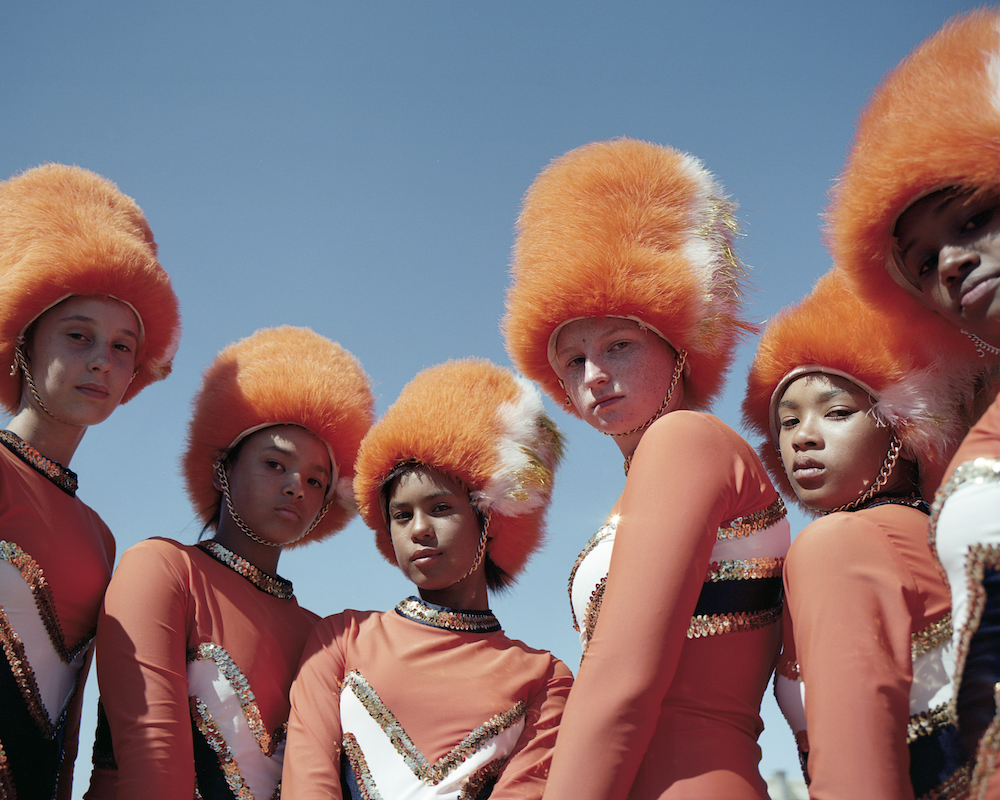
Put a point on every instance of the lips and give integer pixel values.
(94, 390)
(606, 401)
(424, 556)
(806, 468)
(289, 511)
(978, 290)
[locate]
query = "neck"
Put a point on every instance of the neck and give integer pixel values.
(230, 536)
(53, 439)
(469, 594)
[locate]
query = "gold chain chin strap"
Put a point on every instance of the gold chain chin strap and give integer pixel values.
(220, 471)
(676, 376)
(883, 476)
(482, 550)
(21, 363)
(982, 346)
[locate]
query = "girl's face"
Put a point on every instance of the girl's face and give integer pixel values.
(949, 250)
(435, 535)
(616, 374)
(831, 447)
(82, 356)
(279, 482)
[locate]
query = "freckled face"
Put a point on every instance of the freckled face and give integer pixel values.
(435, 535)
(831, 447)
(82, 356)
(949, 251)
(616, 374)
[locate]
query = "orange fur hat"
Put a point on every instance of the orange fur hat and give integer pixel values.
(481, 425)
(933, 123)
(833, 332)
(280, 376)
(627, 229)
(65, 231)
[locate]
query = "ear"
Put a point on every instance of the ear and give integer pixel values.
(216, 482)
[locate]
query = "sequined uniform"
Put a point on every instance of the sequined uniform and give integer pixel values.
(196, 653)
(686, 578)
(965, 530)
(56, 563)
(422, 702)
(867, 638)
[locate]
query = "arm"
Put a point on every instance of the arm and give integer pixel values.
(312, 751)
(142, 671)
(670, 511)
(525, 773)
(71, 738)
(852, 630)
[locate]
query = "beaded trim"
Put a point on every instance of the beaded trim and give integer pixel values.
(744, 569)
(438, 617)
(979, 470)
(750, 524)
(209, 651)
(928, 722)
(61, 476)
(430, 774)
(739, 622)
(787, 668)
(606, 530)
(594, 611)
(986, 758)
(277, 586)
(932, 637)
(6, 778)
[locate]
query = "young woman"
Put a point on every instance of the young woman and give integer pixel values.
(916, 223)
(624, 305)
(431, 699)
(87, 319)
(198, 644)
(849, 422)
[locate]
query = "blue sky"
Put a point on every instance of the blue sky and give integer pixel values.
(357, 168)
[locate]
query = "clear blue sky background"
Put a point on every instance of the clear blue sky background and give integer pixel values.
(357, 168)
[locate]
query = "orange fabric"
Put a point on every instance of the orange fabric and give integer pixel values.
(165, 599)
(75, 551)
(982, 440)
(439, 684)
(858, 585)
(654, 714)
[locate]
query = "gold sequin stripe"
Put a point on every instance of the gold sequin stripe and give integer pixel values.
(744, 569)
(6, 779)
(44, 600)
(979, 470)
(227, 761)
(412, 757)
(61, 476)
(928, 722)
(978, 559)
(932, 637)
(458, 621)
(986, 758)
(213, 652)
(739, 622)
(787, 668)
(752, 523)
(956, 787)
(480, 778)
(363, 776)
(279, 587)
(603, 533)
(593, 611)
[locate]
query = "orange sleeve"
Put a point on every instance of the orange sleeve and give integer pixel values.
(311, 767)
(142, 672)
(847, 599)
(680, 488)
(526, 771)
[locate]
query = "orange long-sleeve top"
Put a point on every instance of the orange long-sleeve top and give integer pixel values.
(422, 701)
(195, 662)
(667, 699)
(869, 618)
(57, 556)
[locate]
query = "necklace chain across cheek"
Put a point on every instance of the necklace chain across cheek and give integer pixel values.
(678, 370)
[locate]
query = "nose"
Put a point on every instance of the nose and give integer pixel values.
(954, 261)
(594, 373)
(294, 484)
(100, 357)
(806, 436)
(421, 526)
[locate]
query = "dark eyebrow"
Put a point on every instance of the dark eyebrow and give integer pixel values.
(287, 451)
(91, 320)
(616, 331)
(432, 496)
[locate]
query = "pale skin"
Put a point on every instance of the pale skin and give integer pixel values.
(616, 373)
(82, 356)
(832, 447)
(278, 483)
(949, 257)
(435, 536)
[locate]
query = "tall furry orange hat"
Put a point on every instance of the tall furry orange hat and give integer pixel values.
(933, 123)
(280, 376)
(627, 229)
(833, 332)
(66, 231)
(483, 426)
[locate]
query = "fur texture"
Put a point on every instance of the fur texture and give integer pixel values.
(66, 231)
(628, 229)
(833, 330)
(483, 426)
(933, 123)
(280, 376)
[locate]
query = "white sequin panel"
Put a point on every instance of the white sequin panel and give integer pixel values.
(260, 772)
(394, 779)
(592, 570)
(932, 685)
(971, 515)
(771, 542)
(54, 677)
(791, 697)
